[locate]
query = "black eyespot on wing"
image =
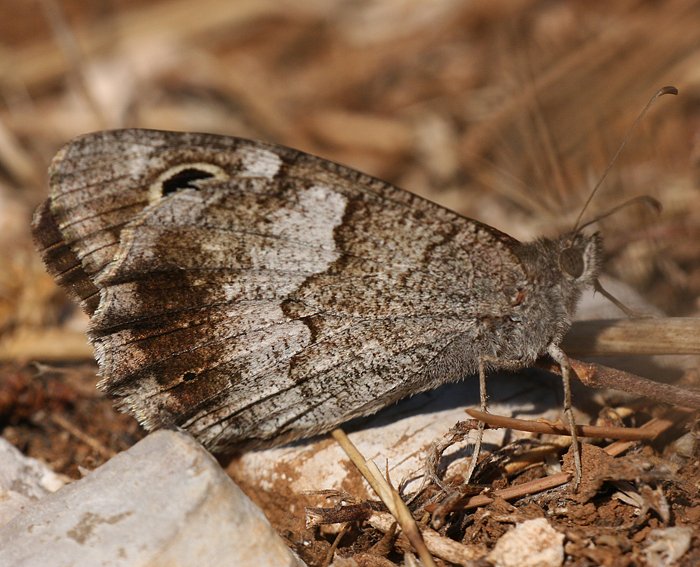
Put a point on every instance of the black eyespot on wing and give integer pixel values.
(183, 180)
(571, 262)
(189, 376)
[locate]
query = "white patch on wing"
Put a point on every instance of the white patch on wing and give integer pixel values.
(305, 232)
(136, 165)
(259, 163)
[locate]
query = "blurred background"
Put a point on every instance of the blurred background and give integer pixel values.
(506, 111)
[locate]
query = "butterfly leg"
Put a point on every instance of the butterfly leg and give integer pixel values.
(562, 360)
(483, 407)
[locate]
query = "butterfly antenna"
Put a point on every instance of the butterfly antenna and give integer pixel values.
(652, 203)
(662, 91)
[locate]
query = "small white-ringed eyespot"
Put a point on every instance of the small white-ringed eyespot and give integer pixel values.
(182, 176)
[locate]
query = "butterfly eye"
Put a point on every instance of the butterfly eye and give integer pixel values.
(183, 176)
(571, 261)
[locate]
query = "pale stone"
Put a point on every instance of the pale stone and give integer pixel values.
(23, 480)
(165, 501)
(665, 546)
(533, 543)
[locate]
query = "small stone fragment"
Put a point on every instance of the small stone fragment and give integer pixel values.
(533, 543)
(665, 546)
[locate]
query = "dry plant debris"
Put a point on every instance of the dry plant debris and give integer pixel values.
(441, 505)
(505, 111)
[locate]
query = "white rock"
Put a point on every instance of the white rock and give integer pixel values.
(165, 501)
(665, 546)
(533, 543)
(23, 480)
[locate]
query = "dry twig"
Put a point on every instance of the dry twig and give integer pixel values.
(388, 495)
(625, 433)
(599, 376)
(440, 546)
(656, 426)
(668, 335)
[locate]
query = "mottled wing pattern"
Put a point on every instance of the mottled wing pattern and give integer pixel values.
(255, 294)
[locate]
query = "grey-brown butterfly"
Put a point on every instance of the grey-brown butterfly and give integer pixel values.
(254, 294)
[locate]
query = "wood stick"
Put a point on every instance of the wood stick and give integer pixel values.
(391, 498)
(623, 433)
(667, 335)
(599, 376)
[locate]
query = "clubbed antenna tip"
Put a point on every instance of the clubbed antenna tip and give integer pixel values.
(662, 91)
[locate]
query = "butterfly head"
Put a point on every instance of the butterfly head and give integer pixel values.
(578, 260)
(580, 257)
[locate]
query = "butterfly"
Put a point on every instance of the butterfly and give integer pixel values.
(253, 294)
